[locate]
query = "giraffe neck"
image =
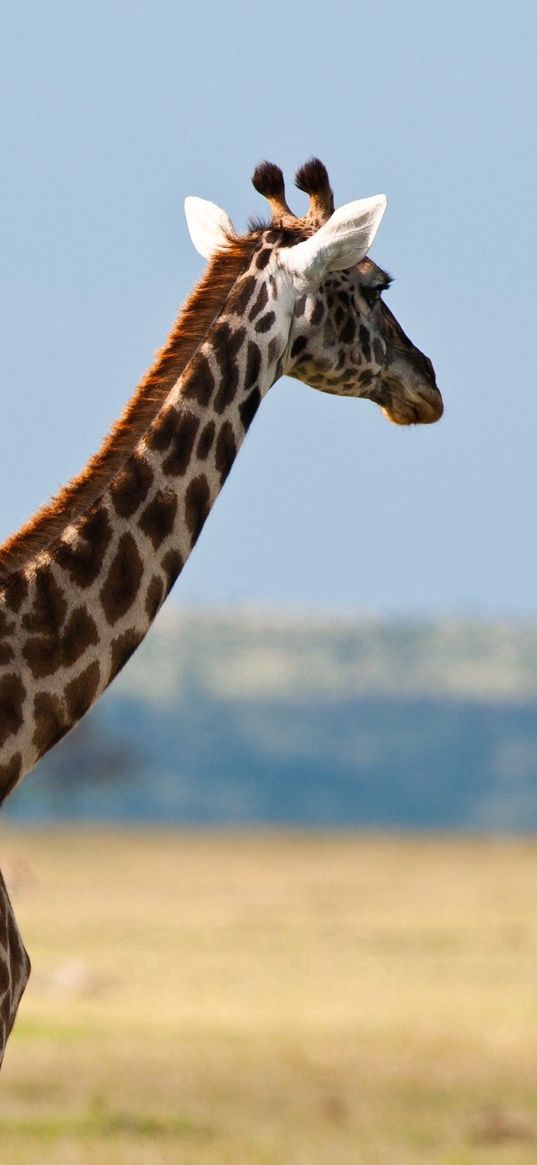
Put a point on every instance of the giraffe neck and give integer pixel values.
(75, 611)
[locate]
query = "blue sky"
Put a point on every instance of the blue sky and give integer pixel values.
(113, 112)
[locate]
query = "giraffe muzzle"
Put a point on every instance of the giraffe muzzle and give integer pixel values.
(422, 406)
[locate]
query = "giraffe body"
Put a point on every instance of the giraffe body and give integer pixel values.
(81, 584)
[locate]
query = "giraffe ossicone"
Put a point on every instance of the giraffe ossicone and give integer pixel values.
(81, 583)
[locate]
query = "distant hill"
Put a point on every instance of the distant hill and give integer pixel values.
(255, 718)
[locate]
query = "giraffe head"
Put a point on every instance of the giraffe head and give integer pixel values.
(341, 337)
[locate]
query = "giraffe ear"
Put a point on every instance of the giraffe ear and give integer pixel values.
(339, 244)
(210, 227)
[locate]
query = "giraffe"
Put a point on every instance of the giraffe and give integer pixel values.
(82, 581)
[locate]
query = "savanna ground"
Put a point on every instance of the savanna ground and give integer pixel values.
(272, 999)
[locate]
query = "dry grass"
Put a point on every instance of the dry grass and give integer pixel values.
(273, 1000)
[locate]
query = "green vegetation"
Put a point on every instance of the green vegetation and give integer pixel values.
(273, 999)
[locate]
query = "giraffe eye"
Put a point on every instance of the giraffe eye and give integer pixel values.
(371, 295)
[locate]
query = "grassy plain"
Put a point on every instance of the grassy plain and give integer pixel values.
(272, 999)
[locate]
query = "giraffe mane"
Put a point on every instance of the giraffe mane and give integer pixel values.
(191, 326)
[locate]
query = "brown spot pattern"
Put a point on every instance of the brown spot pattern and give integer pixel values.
(80, 693)
(172, 565)
(50, 721)
(178, 459)
(44, 654)
(123, 580)
(16, 589)
(7, 625)
(253, 365)
(83, 559)
(158, 517)
(122, 648)
(298, 345)
(263, 258)
(348, 331)
(12, 695)
(239, 302)
(249, 407)
(206, 440)
(197, 505)
(49, 606)
(226, 393)
(154, 597)
(226, 345)
(265, 323)
(43, 651)
(199, 384)
(226, 450)
(162, 430)
(363, 336)
(273, 350)
(80, 633)
(9, 774)
(196, 320)
(131, 486)
(259, 304)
